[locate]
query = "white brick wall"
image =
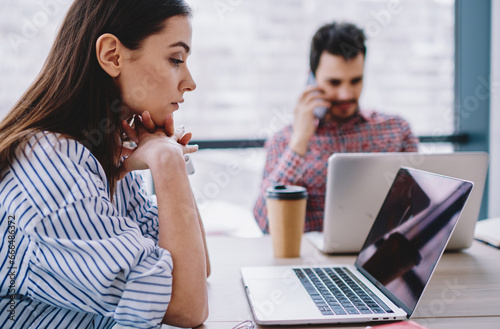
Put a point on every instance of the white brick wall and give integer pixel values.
(250, 58)
(250, 62)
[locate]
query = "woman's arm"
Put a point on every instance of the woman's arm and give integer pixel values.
(184, 140)
(180, 233)
(180, 229)
(207, 258)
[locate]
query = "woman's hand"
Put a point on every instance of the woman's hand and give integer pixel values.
(152, 140)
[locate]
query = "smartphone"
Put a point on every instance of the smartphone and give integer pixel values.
(320, 111)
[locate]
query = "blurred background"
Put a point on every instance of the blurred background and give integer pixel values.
(250, 62)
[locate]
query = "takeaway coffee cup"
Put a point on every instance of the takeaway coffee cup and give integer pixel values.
(286, 212)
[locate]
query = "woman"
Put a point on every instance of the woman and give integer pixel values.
(85, 246)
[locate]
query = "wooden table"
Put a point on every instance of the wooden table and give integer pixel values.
(464, 291)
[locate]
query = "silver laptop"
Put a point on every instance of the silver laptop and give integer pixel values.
(351, 203)
(391, 272)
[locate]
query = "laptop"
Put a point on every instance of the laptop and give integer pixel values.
(351, 204)
(391, 272)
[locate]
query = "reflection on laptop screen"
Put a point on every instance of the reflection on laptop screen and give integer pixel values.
(411, 231)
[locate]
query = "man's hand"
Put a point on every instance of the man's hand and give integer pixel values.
(305, 123)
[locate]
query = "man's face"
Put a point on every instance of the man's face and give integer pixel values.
(341, 82)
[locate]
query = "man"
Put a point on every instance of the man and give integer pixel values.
(298, 154)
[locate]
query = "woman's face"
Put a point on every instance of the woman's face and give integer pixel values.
(155, 77)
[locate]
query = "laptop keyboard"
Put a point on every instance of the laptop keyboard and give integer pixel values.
(335, 290)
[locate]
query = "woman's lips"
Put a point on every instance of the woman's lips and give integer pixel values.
(176, 104)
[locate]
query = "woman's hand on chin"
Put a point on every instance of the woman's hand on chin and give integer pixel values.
(153, 142)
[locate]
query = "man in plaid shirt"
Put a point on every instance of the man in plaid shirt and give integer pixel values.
(298, 154)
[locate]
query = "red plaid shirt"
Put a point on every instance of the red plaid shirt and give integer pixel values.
(365, 132)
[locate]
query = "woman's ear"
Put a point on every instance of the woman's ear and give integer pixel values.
(109, 54)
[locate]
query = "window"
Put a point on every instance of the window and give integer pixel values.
(250, 63)
(27, 31)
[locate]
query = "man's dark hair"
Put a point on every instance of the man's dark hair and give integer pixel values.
(342, 39)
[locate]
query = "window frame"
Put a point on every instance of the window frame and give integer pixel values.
(472, 73)
(472, 79)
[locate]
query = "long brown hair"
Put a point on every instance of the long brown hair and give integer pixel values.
(73, 95)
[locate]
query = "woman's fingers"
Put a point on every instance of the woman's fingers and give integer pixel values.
(169, 125)
(184, 140)
(190, 149)
(130, 132)
(147, 122)
(179, 132)
(127, 151)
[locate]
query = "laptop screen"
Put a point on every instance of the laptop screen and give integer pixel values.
(410, 233)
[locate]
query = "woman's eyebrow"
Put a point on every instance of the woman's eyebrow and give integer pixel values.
(180, 44)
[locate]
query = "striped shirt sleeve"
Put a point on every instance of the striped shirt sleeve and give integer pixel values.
(133, 201)
(86, 254)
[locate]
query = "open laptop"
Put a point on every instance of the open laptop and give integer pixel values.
(357, 183)
(391, 272)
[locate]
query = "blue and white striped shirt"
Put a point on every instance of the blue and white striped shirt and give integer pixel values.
(70, 257)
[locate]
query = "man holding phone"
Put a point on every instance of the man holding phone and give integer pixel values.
(328, 119)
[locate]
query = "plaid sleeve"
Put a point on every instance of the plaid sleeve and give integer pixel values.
(410, 141)
(283, 166)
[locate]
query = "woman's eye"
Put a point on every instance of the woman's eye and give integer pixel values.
(176, 61)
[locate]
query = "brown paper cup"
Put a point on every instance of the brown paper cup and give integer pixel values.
(286, 212)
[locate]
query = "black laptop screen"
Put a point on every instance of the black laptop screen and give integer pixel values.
(410, 233)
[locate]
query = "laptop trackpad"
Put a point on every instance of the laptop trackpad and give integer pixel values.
(281, 298)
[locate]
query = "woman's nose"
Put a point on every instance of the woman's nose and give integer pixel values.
(187, 84)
